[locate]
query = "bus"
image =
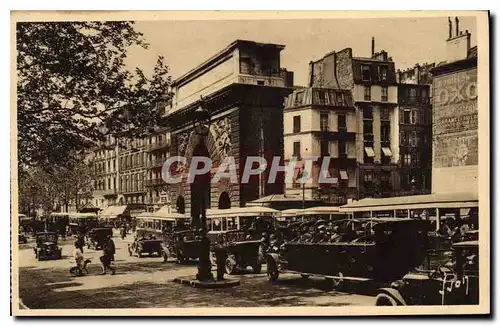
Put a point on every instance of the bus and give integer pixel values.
(82, 222)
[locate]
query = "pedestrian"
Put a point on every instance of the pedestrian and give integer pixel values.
(78, 256)
(108, 256)
(221, 256)
(80, 242)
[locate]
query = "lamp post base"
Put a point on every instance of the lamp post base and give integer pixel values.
(204, 265)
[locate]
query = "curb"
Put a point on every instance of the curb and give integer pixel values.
(193, 282)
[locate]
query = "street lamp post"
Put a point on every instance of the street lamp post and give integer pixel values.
(202, 129)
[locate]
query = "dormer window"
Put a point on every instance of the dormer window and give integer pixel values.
(383, 72)
(365, 73)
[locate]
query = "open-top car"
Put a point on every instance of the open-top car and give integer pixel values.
(96, 238)
(455, 282)
(47, 246)
(366, 249)
(152, 247)
(240, 232)
(184, 246)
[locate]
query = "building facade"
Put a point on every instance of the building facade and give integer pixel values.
(415, 140)
(243, 87)
(321, 122)
(372, 82)
(455, 117)
(106, 172)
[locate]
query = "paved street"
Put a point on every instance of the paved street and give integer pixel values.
(148, 283)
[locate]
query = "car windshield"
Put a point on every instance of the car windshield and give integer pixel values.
(264, 223)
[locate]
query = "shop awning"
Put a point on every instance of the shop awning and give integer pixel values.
(113, 211)
(343, 175)
(369, 151)
(387, 151)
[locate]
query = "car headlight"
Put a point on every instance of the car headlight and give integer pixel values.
(396, 284)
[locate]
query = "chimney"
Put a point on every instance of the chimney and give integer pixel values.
(456, 26)
(449, 27)
(373, 46)
(311, 73)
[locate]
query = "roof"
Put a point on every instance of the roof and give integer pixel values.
(277, 198)
(472, 53)
(242, 211)
(219, 55)
(82, 215)
(473, 243)
(448, 200)
(113, 211)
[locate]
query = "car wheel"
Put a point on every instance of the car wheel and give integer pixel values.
(230, 265)
(272, 270)
(257, 267)
(383, 299)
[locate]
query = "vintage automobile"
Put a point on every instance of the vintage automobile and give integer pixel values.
(47, 246)
(382, 249)
(183, 245)
(96, 238)
(240, 231)
(174, 230)
(22, 238)
(453, 283)
(148, 246)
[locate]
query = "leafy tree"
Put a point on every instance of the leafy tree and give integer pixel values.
(72, 79)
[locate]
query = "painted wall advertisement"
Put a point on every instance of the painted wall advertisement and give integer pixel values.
(455, 120)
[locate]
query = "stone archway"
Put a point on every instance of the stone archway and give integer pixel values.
(224, 201)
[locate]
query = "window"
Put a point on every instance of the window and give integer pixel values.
(412, 94)
(414, 139)
(384, 115)
(406, 116)
(260, 82)
(367, 113)
(385, 95)
(414, 160)
(298, 98)
(325, 148)
(406, 159)
(296, 149)
(385, 132)
(296, 123)
(365, 73)
(342, 122)
(368, 127)
(414, 117)
(369, 153)
(368, 93)
(368, 180)
(342, 148)
(425, 96)
(383, 72)
(323, 121)
(403, 140)
(320, 97)
(340, 99)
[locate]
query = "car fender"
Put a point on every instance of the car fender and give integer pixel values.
(165, 249)
(395, 294)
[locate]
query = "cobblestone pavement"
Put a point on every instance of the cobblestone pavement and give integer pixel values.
(148, 283)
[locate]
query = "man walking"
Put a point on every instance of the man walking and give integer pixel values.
(108, 256)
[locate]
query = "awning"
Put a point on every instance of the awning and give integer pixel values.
(369, 151)
(387, 151)
(113, 211)
(343, 175)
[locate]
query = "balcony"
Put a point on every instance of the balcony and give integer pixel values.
(153, 182)
(155, 164)
(335, 135)
(107, 192)
(157, 146)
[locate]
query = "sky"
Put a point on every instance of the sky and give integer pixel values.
(186, 44)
